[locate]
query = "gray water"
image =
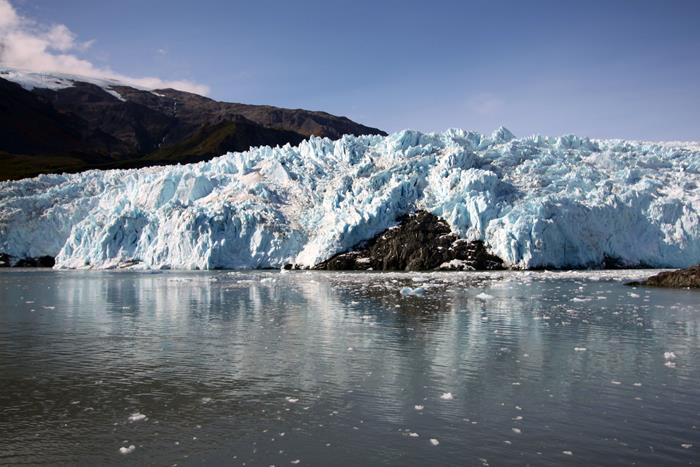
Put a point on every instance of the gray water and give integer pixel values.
(263, 368)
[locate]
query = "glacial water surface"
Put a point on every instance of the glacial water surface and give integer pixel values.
(264, 368)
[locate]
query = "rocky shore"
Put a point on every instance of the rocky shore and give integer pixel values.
(682, 278)
(7, 261)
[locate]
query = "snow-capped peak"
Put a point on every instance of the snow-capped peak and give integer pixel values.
(30, 80)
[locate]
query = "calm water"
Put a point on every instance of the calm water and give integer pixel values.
(340, 369)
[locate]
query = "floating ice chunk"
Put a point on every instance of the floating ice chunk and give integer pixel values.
(670, 364)
(686, 445)
(447, 396)
(137, 417)
(291, 400)
(295, 461)
(434, 441)
(634, 295)
(580, 349)
(567, 453)
(517, 431)
(205, 400)
(413, 435)
(408, 291)
(669, 356)
(127, 450)
(418, 407)
(617, 383)
(484, 296)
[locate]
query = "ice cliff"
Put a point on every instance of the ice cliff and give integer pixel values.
(535, 202)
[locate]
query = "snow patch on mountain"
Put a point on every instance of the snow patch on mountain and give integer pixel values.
(535, 202)
(30, 80)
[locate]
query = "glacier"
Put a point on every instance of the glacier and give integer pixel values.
(536, 202)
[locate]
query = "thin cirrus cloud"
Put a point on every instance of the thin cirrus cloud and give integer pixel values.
(29, 46)
(486, 104)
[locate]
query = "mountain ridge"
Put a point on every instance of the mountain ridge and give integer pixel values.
(58, 123)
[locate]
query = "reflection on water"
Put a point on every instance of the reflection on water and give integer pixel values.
(265, 368)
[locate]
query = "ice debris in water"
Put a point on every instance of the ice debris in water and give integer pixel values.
(484, 296)
(580, 349)
(137, 417)
(127, 450)
(535, 202)
(670, 357)
(418, 407)
(434, 441)
(291, 400)
(407, 291)
(568, 453)
(447, 396)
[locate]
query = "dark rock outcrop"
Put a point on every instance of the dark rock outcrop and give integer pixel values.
(421, 242)
(7, 261)
(682, 278)
(84, 127)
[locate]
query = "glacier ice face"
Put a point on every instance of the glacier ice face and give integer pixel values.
(535, 201)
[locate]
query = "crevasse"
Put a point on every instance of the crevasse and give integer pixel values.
(535, 201)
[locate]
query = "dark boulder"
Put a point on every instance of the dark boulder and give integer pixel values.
(421, 242)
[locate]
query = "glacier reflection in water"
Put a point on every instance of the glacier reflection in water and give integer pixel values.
(266, 368)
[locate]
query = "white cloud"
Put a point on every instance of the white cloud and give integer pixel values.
(8, 15)
(29, 46)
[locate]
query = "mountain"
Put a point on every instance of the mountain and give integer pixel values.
(55, 123)
(535, 202)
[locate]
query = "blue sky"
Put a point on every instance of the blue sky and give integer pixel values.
(595, 68)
